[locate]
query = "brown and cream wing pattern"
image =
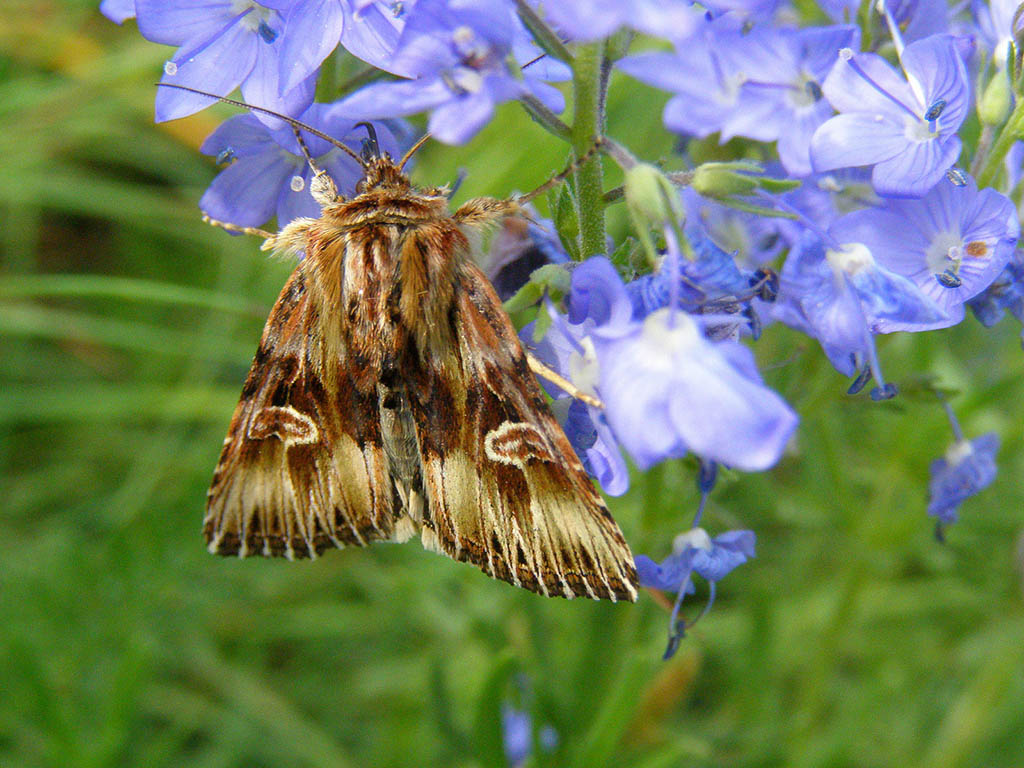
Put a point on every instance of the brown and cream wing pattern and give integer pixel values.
(505, 489)
(303, 468)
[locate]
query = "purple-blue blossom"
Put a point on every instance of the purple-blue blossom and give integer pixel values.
(952, 243)
(586, 20)
(694, 552)
(765, 84)
(968, 467)
(1005, 294)
(517, 735)
(268, 174)
(995, 19)
(224, 45)
(456, 55)
(904, 126)
(667, 389)
(118, 11)
(711, 274)
(842, 296)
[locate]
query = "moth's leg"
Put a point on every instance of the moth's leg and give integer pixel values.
(560, 381)
(485, 210)
(237, 229)
(291, 239)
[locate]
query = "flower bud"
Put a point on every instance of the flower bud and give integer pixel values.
(994, 104)
(651, 197)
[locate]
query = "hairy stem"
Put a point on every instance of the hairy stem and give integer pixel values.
(587, 127)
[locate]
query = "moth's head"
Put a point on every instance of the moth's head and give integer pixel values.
(381, 172)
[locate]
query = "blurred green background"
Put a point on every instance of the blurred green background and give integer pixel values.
(126, 329)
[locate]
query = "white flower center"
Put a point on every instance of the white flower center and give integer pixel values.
(851, 258)
(584, 370)
(697, 538)
(251, 21)
(958, 452)
(946, 248)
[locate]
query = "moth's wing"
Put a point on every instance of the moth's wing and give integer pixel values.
(303, 467)
(505, 489)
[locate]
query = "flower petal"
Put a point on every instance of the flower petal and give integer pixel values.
(246, 192)
(218, 68)
(856, 138)
(312, 31)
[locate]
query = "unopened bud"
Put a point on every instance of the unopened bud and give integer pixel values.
(651, 197)
(995, 102)
(724, 180)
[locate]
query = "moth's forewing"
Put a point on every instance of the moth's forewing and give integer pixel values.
(299, 473)
(506, 489)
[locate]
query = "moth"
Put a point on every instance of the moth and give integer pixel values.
(390, 397)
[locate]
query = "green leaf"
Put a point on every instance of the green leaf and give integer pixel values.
(487, 732)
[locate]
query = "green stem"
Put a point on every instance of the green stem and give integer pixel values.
(1012, 131)
(587, 127)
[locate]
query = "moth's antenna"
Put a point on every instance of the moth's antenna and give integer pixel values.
(371, 149)
(305, 150)
(412, 151)
(295, 124)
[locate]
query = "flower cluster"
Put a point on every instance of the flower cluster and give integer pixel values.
(876, 213)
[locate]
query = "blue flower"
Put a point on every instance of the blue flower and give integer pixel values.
(224, 44)
(700, 74)
(711, 274)
(764, 85)
(995, 23)
(118, 11)
(457, 54)
(583, 20)
(967, 468)
(952, 243)
(270, 176)
(905, 128)
(517, 735)
(1005, 294)
(668, 390)
(842, 297)
(694, 552)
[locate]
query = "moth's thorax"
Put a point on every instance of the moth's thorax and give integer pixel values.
(383, 267)
(386, 205)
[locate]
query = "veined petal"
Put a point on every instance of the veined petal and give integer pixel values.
(312, 31)
(245, 193)
(913, 172)
(372, 35)
(243, 134)
(936, 68)
(457, 121)
(399, 99)
(856, 138)
(874, 89)
(177, 22)
(224, 63)
(262, 87)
